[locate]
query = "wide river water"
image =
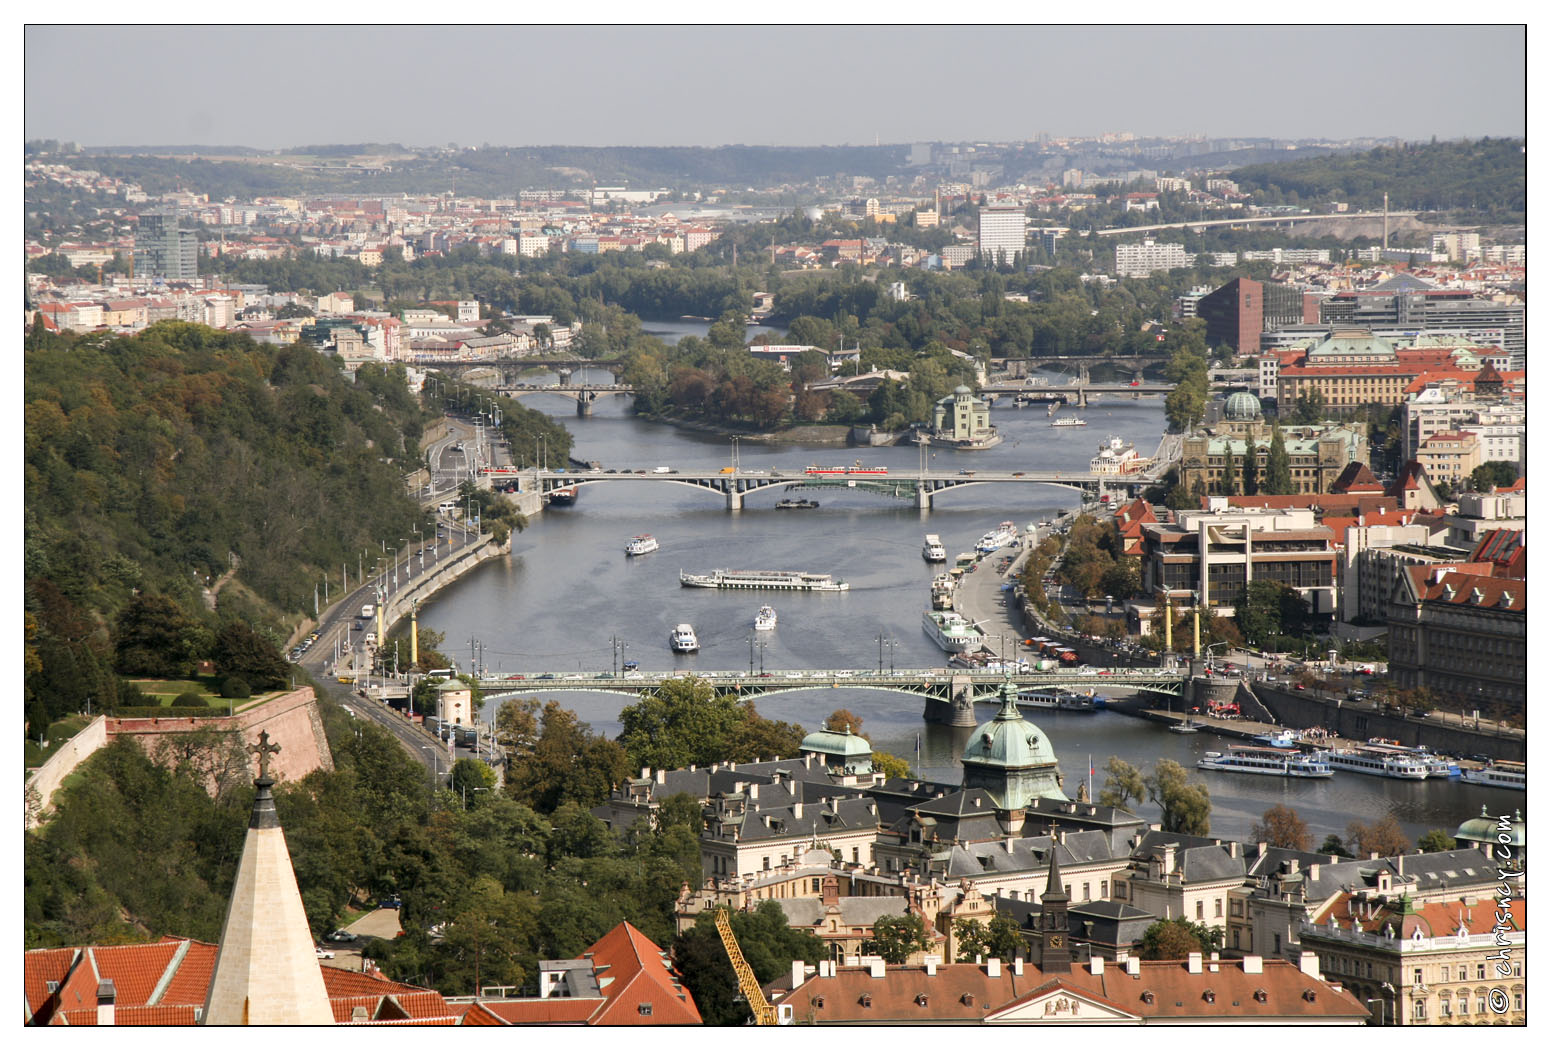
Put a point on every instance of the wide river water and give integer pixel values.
(568, 590)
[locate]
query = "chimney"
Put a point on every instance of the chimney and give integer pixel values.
(931, 964)
(1313, 872)
(1133, 966)
(646, 772)
(754, 791)
(798, 973)
(1017, 966)
(1213, 964)
(797, 810)
(662, 777)
(1193, 963)
(994, 967)
(1096, 965)
(107, 995)
(1308, 963)
(1253, 965)
(1233, 849)
(877, 967)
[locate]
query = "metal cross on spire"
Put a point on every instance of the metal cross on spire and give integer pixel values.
(264, 750)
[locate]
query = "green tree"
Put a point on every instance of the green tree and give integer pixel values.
(895, 937)
(1004, 938)
(1230, 472)
(767, 943)
(241, 651)
(469, 778)
(1493, 474)
(1186, 805)
(1177, 938)
(1269, 608)
(1278, 480)
(1280, 826)
(890, 766)
(1435, 840)
(155, 638)
(1309, 407)
(1123, 784)
(971, 936)
(567, 763)
(1334, 845)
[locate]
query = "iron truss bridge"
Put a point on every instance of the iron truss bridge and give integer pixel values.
(920, 486)
(939, 684)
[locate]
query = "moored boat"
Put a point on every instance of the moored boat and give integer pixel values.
(1501, 773)
(1004, 534)
(1055, 697)
(951, 631)
(755, 579)
(1270, 762)
(562, 497)
(942, 591)
(641, 545)
(796, 505)
(1186, 727)
(1366, 759)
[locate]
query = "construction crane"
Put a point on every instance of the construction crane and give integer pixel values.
(764, 1013)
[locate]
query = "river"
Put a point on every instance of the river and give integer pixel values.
(567, 591)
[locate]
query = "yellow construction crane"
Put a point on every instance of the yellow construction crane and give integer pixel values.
(764, 1013)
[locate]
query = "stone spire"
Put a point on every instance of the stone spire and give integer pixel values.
(1054, 955)
(266, 972)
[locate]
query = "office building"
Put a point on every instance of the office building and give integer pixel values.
(165, 250)
(1238, 312)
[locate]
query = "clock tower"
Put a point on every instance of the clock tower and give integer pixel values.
(1054, 955)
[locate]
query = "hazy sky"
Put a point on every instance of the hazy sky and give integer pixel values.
(597, 86)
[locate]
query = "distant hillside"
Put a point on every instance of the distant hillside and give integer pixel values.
(1485, 179)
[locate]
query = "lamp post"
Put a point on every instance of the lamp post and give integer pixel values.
(437, 771)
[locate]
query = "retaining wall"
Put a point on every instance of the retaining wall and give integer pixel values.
(1298, 710)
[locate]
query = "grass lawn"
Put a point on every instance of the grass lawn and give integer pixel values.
(164, 691)
(58, 734)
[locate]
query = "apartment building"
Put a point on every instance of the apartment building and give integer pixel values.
(1002, 233)
(1460, 634)
(1140, 260)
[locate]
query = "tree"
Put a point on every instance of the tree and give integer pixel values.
(567, 763)
(768, 944)
(1269, 608)
(517, 724)
(155, 638)
(890, 766)
(1004, 938)
(1281, 826)
(895, 937)
(1310, 407)
(1186, 805)
(469, 777)
(971, 936)
(1177, 938)
(1123, 784)
(1278, 480)
(1230, 472)
(1435, 840)
(1384, 837)
(1493, 474)
(241, 651)
(1334, 844)
(843, 718)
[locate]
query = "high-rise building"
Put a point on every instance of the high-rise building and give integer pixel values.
(1140, 260)
(163, 249)
(1002, 232)
(1238, 312)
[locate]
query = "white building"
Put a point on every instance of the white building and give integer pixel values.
(1140, 260)
(1003, 232)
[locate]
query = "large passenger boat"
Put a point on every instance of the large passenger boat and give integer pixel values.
(998, 538)
(1377, 761)
(1069, 421)
(644, 544)
(762, 580)
(1502, 773)
(932, 549)
(1055, 697)
(951, 631)
(1271, 762)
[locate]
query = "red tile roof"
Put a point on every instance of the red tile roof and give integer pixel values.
(1432, 919)
(41, 966)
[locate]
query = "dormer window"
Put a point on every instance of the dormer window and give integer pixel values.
(817, 1001)
(968, 999)
(1308, 994)
(1147, 996)
(644, 1010)
(866, 1000)
(921, 1000)
(1260, 996)
(1210, 996)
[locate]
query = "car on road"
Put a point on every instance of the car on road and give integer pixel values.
(341, 937)
(324, 954)
(390, 902)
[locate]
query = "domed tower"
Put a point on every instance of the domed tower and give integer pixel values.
(1012, 760)
(842, 752)
(1243, 414)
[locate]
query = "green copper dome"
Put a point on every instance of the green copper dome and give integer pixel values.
(836, 743)
(1483, 829)
(1009, 740)
(1242, 405)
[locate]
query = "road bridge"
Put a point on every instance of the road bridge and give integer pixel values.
(949, 695)
(1258, 220)
(921, 486)
(584, 393)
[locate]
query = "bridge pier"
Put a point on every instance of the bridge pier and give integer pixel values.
(584, 403)
(734, 498)
(923, 497)
(959, 710)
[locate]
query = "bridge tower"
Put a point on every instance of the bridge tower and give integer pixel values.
(958, 709)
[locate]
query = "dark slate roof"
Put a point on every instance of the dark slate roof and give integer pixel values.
(1110, 910)
(1208, 863)
(819, 820)
(969, 801)
(1041, 810)
(861, 911)
(1154, 841)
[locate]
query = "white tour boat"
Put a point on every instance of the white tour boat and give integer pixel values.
(641, 545)
(1069, 421)
(1271, 762)
(932, 550)
(942, 591)
(1501, 773)
(769, 580)
(951, 631)
(683, 640)
(1055, 697)
(1378, 762)
(998, 538)
(765, 619)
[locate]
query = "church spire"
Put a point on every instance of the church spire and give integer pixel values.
(1054, 956)
(266, 972)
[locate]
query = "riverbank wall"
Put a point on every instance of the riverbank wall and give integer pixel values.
(448, 570)
(1297, 710)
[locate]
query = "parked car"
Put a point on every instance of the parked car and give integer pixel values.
(390, 902)
(324, 954)
(341, 937)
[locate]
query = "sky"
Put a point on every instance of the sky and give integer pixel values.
(273, 87)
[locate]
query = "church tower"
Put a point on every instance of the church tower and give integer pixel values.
(266, 972)
(1054, 955)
